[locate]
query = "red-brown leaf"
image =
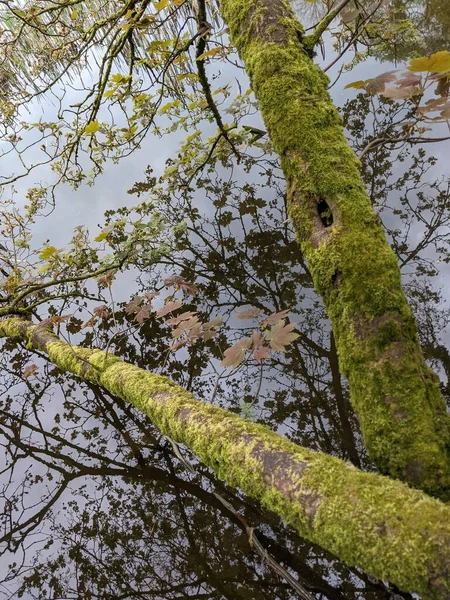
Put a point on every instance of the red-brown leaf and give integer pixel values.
(280, 336)
(174, 321)
(275, 317)
(378, 83)
(169, 307)
(257, 340)
(400, 93)
(102, 312)
(248, 313)
(143, 314)
(195, 332)
(261, 353)
(181, 284)
(176, 345)
(185, 326)
(134, 305)
(233, 356)
(409, 79)
(29, 371)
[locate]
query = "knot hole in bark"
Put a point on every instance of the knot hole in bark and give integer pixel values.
(336, 278)
(325, 213)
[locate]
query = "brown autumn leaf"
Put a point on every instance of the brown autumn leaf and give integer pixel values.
(408, 78)
(185, 326)
(169, 307)
(445, 114)
(275, 317)
(102, 312)
(257, 340)
(106, 280)
(174, 321)
(443, 87)
(57, 319)
(195, 332)
(214, 324)
(233, 356)
(151, 295)
(181, 284)
(261, 353)
(29, 371)
(378, 83)
(248, 313)
(401, 93)
(134, 305)
(431, 105)
(179, 344)
(143, 314)
(280, 336)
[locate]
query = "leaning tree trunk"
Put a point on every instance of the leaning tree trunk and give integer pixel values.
(381, 525)
(396, 396)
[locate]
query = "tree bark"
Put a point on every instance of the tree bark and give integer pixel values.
(381, 525)
(396, 396)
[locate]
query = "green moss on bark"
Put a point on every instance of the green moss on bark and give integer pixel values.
(389, 530)
(397, 398)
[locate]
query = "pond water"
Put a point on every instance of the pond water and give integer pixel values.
(107, 508)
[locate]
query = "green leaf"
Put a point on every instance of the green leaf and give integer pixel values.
(46, 253)
(91, 128)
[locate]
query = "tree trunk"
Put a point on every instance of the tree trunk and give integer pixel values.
(389, 530)
(396, 396)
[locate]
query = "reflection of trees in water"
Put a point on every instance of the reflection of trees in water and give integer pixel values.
(121, 516)
(394, 30)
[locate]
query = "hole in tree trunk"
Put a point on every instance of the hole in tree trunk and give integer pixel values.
(325, 214)
(336, 278)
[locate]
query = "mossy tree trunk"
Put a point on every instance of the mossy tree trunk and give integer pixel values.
(396, 396)
(381, 525)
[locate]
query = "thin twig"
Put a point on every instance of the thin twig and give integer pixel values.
(203, 26)
(263, 553)
(388, 140)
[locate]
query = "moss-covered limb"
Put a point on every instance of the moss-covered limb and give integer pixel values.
(310, 41)
(391, 531)
(397, 398)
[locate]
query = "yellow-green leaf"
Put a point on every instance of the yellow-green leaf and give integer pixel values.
(166, 107)
(162, 4)
(102, 236)
(212, 52)
(187, 76)
(357, 85)
(91, 128)
(439, 62)
(104, 233)
(118, 78)
(46, 253)
(74, 15)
